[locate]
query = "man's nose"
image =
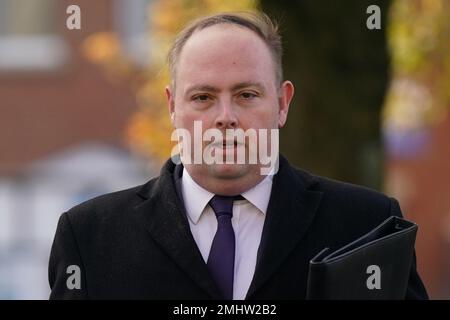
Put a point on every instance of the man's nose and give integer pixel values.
(227, 117)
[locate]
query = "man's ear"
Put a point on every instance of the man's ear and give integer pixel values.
(284, 99)
(171, 104)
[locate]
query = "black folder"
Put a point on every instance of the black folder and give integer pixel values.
(375, 266)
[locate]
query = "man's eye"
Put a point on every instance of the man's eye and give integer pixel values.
(201, 98)
(248, 95)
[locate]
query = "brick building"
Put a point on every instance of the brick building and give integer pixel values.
(62, 125)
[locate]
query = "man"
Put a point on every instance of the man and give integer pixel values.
(216, 230)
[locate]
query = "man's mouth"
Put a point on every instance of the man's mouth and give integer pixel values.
(225, 144)
(229, 144)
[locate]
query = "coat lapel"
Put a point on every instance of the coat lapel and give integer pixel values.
(163, 214)
(290, 212)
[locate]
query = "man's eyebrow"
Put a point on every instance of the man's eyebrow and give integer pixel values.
(205, 88)
(211, 89)
(243, 85)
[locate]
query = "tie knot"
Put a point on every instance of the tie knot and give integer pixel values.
(223, 205)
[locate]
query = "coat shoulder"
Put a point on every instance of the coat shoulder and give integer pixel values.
(109, 205)
(344, 195)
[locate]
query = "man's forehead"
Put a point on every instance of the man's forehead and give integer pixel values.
(223, 56)
(223, 40)
(228, 30)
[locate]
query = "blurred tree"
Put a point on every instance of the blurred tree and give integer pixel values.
(340, 70)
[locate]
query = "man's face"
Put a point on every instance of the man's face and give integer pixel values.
(225, 78)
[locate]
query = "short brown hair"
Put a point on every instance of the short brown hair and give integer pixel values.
(259, 23)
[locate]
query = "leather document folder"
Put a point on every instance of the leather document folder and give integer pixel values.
(375, 266)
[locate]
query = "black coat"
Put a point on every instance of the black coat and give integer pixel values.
(136, 243)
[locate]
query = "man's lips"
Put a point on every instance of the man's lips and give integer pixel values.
(230, 143)
(225, 144)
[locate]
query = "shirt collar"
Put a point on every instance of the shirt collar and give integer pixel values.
(259, 195)
(196, 197)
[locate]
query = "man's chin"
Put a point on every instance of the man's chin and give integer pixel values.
(228, 171)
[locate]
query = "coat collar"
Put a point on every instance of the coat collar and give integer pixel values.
(289, 214)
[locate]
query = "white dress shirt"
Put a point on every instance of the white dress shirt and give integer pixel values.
(248, 221)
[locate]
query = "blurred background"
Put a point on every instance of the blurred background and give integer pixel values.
(83, 112)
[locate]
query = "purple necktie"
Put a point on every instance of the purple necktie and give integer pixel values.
(221, 257)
